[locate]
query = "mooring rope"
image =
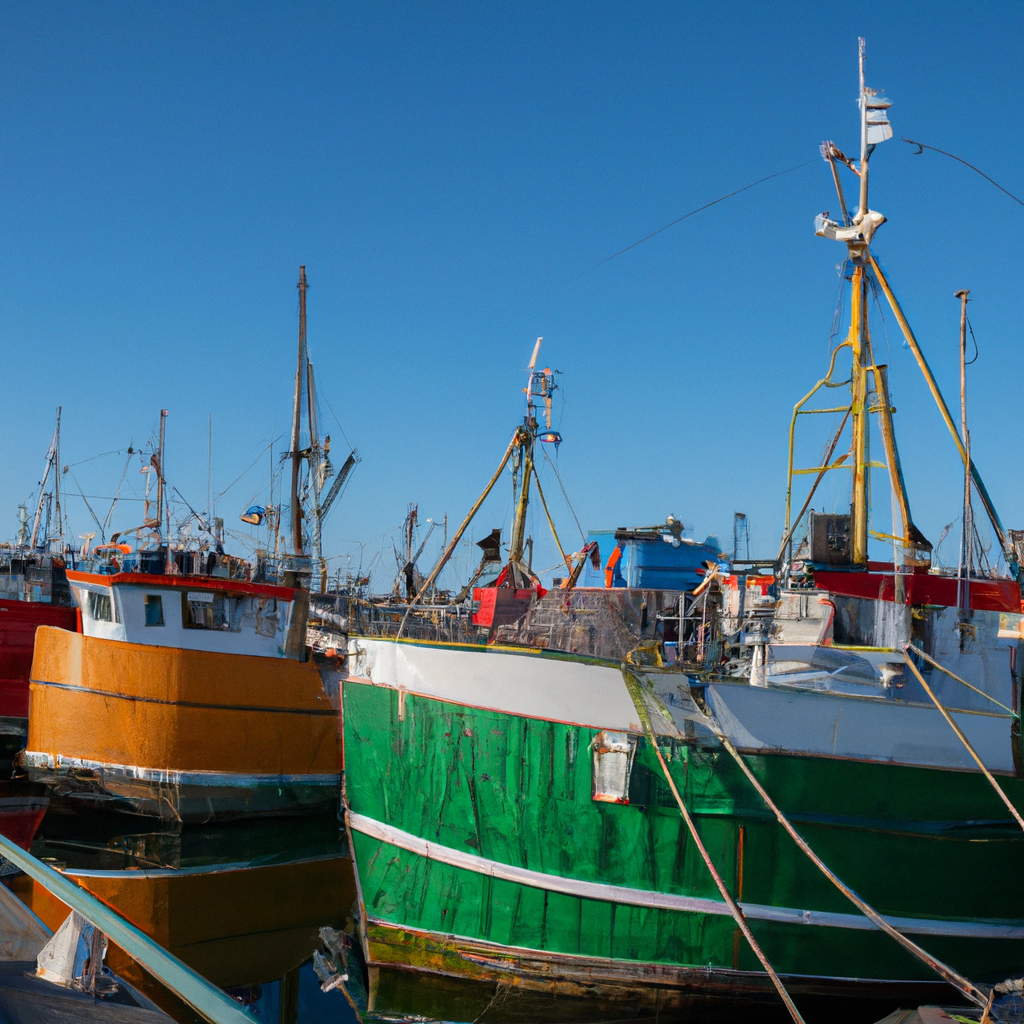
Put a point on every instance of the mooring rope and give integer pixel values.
(633, 687)
(950, 975)
(963, 739)
(933, 662)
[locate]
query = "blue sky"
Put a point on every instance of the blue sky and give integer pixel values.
(445, 172)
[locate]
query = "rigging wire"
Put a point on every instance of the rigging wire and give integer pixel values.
(837, 316)
(699, 209)
(87, 505)
(117, 493)
(975, 340)
(921, 147)
(102, 455)
(885, 331)
(565, 494)
(336, 420)
(240, 475)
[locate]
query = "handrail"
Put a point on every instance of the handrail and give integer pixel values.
(205, 998)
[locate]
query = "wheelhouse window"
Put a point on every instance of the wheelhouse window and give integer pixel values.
(154, 610)
(100, 607)
(203, 609)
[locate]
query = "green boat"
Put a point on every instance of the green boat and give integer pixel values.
(510, 804)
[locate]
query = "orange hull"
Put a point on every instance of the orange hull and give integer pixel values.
(185, 734)
(235, 927)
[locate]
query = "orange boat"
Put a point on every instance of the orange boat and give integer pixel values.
(186, 697)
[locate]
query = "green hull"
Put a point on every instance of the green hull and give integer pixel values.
(916, 843)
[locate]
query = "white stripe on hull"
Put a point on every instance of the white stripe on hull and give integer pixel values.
(802, 723)
(663, 900)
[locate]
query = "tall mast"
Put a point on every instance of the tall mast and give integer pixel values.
(52, 458)
(864, 154)
(56, 481)
(297, 419)
(160, 470)
(163, 499)
(528, 432)
(859, 417)
(967, 518)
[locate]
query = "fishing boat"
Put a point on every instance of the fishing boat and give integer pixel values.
(33, 592)
(190, 692)
(821, 797)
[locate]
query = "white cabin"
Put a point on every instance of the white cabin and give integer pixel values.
(199, 613)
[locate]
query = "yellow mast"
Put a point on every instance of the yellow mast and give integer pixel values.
(859, 417)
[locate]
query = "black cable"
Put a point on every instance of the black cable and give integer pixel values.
(921, 146)
(975, 340)
(713, 202)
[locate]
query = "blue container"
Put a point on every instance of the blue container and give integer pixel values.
(651, 558)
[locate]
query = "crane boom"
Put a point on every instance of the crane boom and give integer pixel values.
(339, 482)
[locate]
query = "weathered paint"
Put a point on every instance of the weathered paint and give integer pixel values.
(145, 711)
(591, 693)
(517, 790)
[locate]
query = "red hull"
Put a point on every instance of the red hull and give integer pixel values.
(18, 622)
(22, 806)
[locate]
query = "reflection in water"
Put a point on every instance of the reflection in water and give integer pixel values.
(241, 903)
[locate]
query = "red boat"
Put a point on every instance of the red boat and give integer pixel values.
(18, 623)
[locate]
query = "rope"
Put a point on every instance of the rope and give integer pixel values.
(921, 146)
(950, 975)
(963, 739)
(933, 662)
(565, 494)
(678, 220)
(947, 973)
(558, 543)
(633, 686)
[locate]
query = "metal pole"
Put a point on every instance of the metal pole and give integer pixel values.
(986, 500)
(517, 439)
(163, 500)
(966, 523)
(858, 387)
(862, 211)
(56, 484)
(297, 419)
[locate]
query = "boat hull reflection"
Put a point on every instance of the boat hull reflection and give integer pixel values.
(242, 904)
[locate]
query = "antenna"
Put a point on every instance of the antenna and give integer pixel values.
(536, 352)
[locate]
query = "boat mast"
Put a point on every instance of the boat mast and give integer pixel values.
(861, 348)
(163, 499)
(52, 458)
(528, 436)
(297, 419)
(967, 517)
(865, 152)
(859, 417)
